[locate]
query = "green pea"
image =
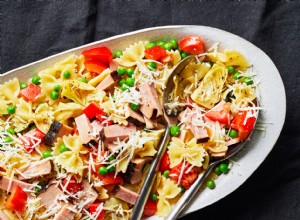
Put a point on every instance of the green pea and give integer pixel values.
(211, 63)
(121, 82)
(130, 82)
(119, 53)
(182, 189)
(217, 171)
(248, 80)
(224, 167)
(63, 148)
(67, 75)
(124, 88)
(174, 44)
(151, 65)
(150, 45)
(8, 139)
(23, 85)
(160, 43)
(54, 95)
(111, 169)
(153, 197)
(103, 170)
(134, 107)
(174, 130)
(230, 69)
(47, 153)
(11, 130)
(168, 46)
(84, 80)
(210, 184)
(36, 190)
(11, 109)
(36, 80)
(236, 75)
(233, 133)
(166, 173)
(111, 158)
(121, 71)
(57, 88)
(184, 55)
(130, 72)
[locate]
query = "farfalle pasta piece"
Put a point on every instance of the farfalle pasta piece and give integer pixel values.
(80, 64)
(191, 151)
(229, 58)
(10, 90)
(133, 54)
(98, 79)
(3, 105)
(77, 91)
(209, 91)
(167, 190)
(64, 111)
(175, 56)
(70, 160)
(24, 115)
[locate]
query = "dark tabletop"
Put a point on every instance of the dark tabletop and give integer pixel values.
(31, 30)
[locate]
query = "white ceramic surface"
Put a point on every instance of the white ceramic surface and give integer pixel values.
(271, 97)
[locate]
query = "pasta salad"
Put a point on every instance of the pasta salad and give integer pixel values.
(77, 138)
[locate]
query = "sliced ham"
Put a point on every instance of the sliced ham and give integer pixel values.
(219, 154)
(114, 64)
(150, 102)
(114, 132)
(233, 141)
(219, 107)
(50, 196)
(150, 124)
(109, 81)
(134, 171)
(89, 194)
(3, 216)
(125, 194)
(37, 169)
(4, 184)
(85, 129)
(57, 130)
(186, 135)
(97, 126)
(133, 116)
(200, 133)
(65, 213)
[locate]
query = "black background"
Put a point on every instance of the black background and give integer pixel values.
(31, 30)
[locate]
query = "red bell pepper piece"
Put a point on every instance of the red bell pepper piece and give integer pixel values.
(32, 137)
(109, 178)
(93, 209)
(102, 54)
(93, 110)
(192, 45)
(30, 92)
(187, 179)
(150, 208)
(73, 186)
(155, 53)
(94, 66)
(165, 163)
(243, 126)
(17, 200)
(220, 116)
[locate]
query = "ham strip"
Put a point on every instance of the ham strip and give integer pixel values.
(36, 169)
(133, 116)
(85, 129)
(50, 196)
(89, 194)
(4, 184)
(125, 194)
(109, 81)
(134, 171)
(200, 133)
(65, 213)
(114, 132)
(151, 107)
(150, 124)
(3, 216)
(57, 130)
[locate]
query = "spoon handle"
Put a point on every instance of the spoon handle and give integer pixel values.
(150, 177)
(189, 194)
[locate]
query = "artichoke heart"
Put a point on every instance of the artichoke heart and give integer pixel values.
(209, 91)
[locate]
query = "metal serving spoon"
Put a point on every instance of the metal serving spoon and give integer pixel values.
(150, 177)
